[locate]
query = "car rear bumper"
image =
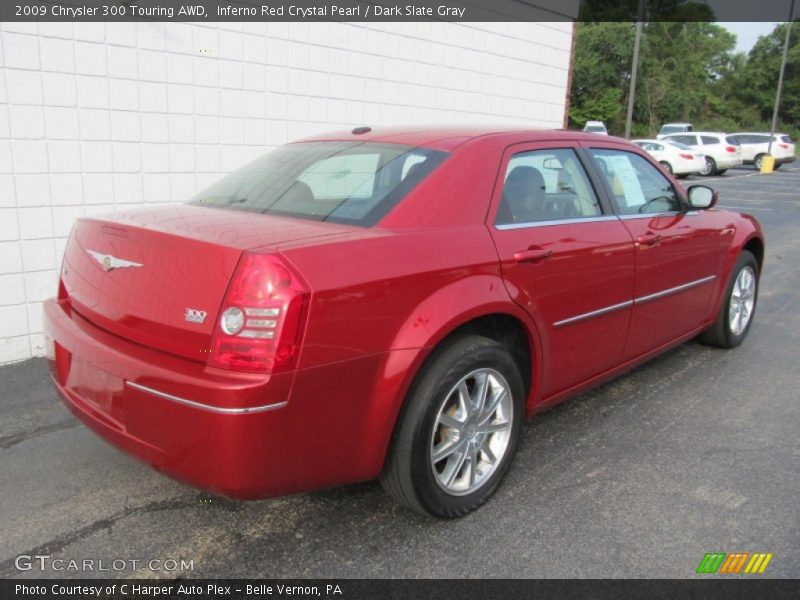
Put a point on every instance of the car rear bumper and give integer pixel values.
(729, 162)
(239, 436)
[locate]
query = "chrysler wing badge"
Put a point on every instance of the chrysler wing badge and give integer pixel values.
(109, 262)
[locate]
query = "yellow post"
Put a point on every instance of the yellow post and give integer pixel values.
(768, 164)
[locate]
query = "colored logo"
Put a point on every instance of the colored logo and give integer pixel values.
(737, 562)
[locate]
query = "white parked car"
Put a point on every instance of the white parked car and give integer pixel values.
(721, 151)
(676, 158)
(755, 147)
(595, 127)
(669, 128)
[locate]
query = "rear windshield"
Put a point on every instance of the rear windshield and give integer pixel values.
(732, 140)
(675, 129)
(787, 139)
(680, 146)
(595, 129)
(356, 183)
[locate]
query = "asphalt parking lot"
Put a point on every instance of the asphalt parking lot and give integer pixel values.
(695, 452)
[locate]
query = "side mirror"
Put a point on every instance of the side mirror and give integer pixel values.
(702, 197)
(553, 164)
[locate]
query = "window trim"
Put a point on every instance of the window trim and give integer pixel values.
(607, 212)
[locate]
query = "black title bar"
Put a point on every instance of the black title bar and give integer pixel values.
(388, 589)
(401, 10)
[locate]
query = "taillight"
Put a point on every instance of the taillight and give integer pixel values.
(730, 148)
(784, 146)
(262, 316)
(687, 156)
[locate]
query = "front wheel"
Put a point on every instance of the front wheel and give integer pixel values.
(738, 307)
(667, 167)
(459, 431)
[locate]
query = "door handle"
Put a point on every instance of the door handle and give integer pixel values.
(532, 254)
(648, 239)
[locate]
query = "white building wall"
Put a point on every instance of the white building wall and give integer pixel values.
(100, 116)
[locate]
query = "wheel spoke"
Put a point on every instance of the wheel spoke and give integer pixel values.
(494, 427)
(450, 422)
(446, 448)
(480, 392)
(487, 452)
(473, 465)
(453, 468)
(464, 399)
(491, 408)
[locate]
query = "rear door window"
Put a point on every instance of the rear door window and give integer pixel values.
(546, 185)
(708, 140)
(689, 140)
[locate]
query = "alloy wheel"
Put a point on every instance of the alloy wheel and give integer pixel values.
(472, 432)
(742, 300)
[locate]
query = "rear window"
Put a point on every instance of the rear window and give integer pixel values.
(732, 141)
(356, 183)
(674, 129)
(679, 145)
(787, 139)
(707, 140)
(595, 129)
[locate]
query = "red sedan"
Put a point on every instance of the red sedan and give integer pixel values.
(388, 304)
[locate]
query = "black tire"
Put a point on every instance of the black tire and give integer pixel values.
(667, 166)
(759, 161)
(711, 167)
(721, 172)
(777, 166)
(720, 334)
(682, 176)
(408, 475)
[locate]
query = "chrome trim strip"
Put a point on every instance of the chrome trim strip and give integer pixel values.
(507, 226)
(594, 313)
(636, 301)
(674, 290)
(215, 409)
(670, 213)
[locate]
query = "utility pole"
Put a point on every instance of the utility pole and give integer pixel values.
(780, 77)
(635, 68)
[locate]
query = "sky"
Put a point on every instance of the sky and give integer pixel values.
(748, 33)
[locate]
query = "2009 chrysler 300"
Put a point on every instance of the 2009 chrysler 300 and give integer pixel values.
(388, 303)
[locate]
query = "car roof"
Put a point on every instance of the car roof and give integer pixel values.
(648, 141)
(700, 133)
(677, 124)
(448, 138)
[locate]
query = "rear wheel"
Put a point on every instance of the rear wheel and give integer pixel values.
(667, 166)
(459, 431)
(777, 166)
(736, 312)
(710, 168)
(721, 172)
(759, 161)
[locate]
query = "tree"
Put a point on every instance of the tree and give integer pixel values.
(759, 79)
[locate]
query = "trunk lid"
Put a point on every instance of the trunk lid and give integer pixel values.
(158, 276)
